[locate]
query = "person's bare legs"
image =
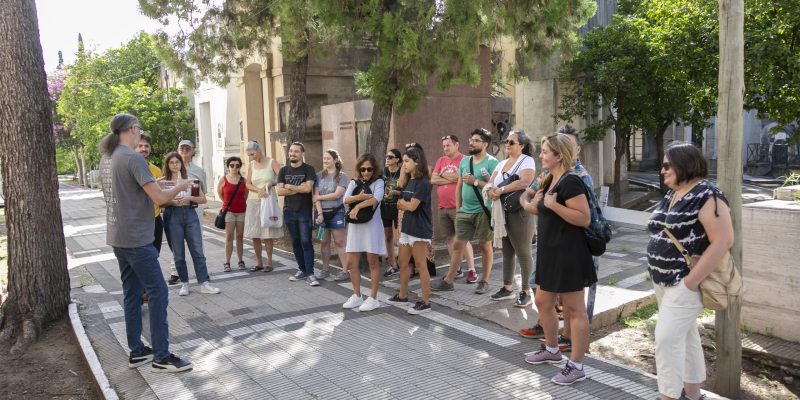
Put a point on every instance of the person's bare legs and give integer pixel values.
(575, 310)
(469, 256)
(239, 240)
(339, 241)
(230, 229)
(388, 234)
(456, 250)
(545, 303)
(257, 250)
(374, 274)
(488, 256)
(269, 244)
(420, 252)
(325, 249)
(355, 273)
(403, 260)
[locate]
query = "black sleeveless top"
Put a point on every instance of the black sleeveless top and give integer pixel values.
(666, 265)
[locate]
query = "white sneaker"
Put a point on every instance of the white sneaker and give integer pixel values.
(208, 289)
(353, 302)
(369, 304)
(184, 290)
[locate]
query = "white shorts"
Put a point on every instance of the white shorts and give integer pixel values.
(408, 240)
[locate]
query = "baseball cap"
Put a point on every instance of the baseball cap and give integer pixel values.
(186, 142)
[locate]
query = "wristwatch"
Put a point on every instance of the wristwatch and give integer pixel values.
(503, 189)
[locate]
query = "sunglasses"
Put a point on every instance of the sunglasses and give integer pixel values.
(510, 142)
(366, 169)
(451, 137)
(390, 157)
(666, 166)
(412, 144)
(234, 165)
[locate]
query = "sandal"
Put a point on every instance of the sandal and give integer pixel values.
(268, 268)
(256, 268)
(226, 267)
(242, 266)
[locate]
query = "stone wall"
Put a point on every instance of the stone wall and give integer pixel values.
(771, 268)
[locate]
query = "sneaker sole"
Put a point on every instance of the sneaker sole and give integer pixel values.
(204, 292)
(436, 289)
(397, 303)
(532, 336)
(171, 369)
(509, 297)
(583, 378)
(418, 312)
(544, 361)
(523, 305)
(351, 308)
(145, 360)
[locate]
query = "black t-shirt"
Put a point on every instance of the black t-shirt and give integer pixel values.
(300, 202)
(418, 223)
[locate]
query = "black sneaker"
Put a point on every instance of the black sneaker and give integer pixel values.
(173, 280)
(172, 364)
(396, 299)
(391, 271)
(420, 308)
(503, 294)
(523, 300)
(136, 360)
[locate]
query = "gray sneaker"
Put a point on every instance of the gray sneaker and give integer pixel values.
(323, 275)
(542, 356)
(568, 375)
(298, 276)
(483, 287)
(442, 286)
(312, 280)
(341, 276)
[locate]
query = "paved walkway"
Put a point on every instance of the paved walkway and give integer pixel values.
(266, 337)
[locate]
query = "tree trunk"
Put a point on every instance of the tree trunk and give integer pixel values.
(77, 165)
(660, 156)
(38, 281)
(619, 153)
(730, 129)
(298, 102)
(86, 180)
(378, 136)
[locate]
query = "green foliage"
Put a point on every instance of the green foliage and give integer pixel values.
(642, 318)
(123, 79)
(65, 162)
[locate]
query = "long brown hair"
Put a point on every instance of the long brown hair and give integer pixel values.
(165, 169)
(418, 155)
(559, 144)
(337, 162)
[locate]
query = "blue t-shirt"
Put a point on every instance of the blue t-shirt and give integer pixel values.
(418, 223)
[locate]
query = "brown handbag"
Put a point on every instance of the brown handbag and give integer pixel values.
(722, 286)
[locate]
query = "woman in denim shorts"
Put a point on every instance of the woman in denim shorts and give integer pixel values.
(328, 201)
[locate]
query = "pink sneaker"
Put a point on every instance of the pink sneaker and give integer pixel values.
(543, 356)
(568, 375)
(472, 276)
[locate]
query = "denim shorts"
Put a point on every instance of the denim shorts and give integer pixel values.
(337, 222)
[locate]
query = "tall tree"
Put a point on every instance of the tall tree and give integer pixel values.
(38, 282)
(420, 42)
(223, 35)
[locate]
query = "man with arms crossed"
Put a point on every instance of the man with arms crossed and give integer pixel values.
(445, 178)
(129, 191)
(473, 220)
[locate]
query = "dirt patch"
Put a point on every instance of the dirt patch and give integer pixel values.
(51, 368)
(630, 342)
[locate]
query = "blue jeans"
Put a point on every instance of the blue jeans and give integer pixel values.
(299, 225)
(140, 271)
(181, 223)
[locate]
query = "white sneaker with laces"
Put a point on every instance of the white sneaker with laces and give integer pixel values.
(208, 289)
(353, 302)
(369, 304)
(184, 290)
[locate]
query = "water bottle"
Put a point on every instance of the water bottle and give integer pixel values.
(320, 232)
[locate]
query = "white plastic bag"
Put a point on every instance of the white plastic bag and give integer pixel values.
(271, 214)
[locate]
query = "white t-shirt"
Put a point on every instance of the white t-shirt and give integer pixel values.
(523, 162)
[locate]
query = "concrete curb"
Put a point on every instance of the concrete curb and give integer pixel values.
(89, 355)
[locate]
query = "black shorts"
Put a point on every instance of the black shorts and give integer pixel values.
(390, 215)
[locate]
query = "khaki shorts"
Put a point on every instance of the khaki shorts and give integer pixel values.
(447, 224)
(473, 226)
(234, 217)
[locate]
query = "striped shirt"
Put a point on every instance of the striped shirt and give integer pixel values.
(666, 265)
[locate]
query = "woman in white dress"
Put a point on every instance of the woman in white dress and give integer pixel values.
(365, 192)
(262, 174)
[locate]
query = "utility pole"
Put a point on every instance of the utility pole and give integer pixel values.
(729, 177)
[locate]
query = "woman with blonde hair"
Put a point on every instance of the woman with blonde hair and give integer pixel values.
(262, 174)
(564, 265)
(329, 204)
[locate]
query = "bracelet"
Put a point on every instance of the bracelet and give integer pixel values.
(475, 183)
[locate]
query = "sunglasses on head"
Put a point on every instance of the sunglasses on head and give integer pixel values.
(451, 137)
(412, 144)
(366, 169)
(510, 142)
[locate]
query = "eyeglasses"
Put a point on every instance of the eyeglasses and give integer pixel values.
(390, 157)
(666, 166)
(510, 142)
(235, 165)
(366, 169)
(451, 137)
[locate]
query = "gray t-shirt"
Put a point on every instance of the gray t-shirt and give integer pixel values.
(129, 210)
(196, 172)
(327, 185)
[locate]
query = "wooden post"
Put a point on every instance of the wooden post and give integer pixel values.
(729, 177)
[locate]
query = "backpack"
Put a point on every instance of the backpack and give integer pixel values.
(598, 233)
(364, 215)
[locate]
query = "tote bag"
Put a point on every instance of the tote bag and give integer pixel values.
(271, 214)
